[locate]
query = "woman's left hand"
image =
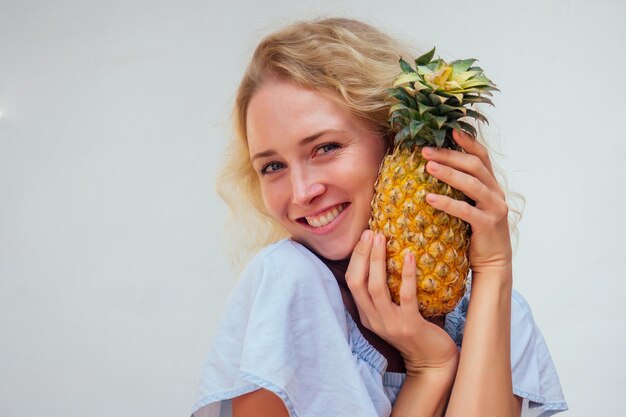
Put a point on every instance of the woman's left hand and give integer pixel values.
(471, 172)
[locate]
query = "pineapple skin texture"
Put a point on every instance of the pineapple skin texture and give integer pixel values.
(438, 241)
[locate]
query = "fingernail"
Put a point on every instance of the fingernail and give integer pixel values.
(408, 257)
(432, 198)
(429, 151)
(434, 166)
(366, 235)
(380, 238)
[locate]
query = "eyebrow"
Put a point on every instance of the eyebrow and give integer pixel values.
(303, 142)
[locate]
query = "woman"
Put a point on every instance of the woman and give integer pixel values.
(311, 329)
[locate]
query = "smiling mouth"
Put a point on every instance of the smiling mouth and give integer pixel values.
(324, 218)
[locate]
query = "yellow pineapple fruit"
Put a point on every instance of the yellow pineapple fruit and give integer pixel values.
(426, 104)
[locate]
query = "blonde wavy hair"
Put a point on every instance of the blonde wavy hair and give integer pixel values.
(346, 60)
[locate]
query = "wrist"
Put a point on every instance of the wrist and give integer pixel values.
(494, 277)
(437, 374)
(426, 391)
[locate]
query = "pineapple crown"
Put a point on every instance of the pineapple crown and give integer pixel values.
(429, 101)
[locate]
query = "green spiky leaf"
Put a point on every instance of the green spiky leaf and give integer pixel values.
(405, 78)
(415, 126)
(426, 58)
(440, 137)
(478, 81)
(401, 136)
(422, 108)
(436, 99)
(398, 106)
(468, 128)
(477, 116)
(451, 85)
(419, 86)
(421, 98)
(440, 121)
(421, 141)
(398, 121)
(404, 97)
(453, 124)
(423, 69)
(478, 90)
(412, 113)
(484, 90)
(477, 99)
(435, 64)
(406, 67)
(445, 108)
(457, 96)
(454, 115)
(464, 76)
(462, 65)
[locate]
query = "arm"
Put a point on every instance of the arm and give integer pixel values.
(429, 354)
(483, 383)
(481, 386)
(425, 393)
(259, 403)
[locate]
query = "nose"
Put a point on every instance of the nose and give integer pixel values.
(305, 186)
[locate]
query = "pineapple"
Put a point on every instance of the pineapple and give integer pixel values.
(426, 104)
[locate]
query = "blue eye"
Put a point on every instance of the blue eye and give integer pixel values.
(327, 147)
(271, 167)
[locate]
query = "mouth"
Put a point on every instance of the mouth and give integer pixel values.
(324, 218)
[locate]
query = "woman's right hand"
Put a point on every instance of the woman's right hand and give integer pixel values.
(422, 344)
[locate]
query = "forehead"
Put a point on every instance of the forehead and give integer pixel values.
(282, 112)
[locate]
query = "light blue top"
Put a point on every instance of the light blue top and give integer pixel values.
(286, 330)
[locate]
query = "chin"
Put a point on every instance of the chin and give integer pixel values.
(337, 251)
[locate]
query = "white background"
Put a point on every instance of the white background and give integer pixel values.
(114, 116)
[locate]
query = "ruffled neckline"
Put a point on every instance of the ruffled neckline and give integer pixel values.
(370, 355)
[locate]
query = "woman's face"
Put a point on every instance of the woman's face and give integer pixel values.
(317, 165)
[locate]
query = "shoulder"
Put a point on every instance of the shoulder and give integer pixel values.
(523, 327)
(533, 371)
(519, 306)
(286, 274)
(284, 253)
(522, 322)
(285, 262)
(280, 284)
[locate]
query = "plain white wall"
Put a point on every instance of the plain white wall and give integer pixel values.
(113, 118)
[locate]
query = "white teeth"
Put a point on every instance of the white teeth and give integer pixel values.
(325, 218)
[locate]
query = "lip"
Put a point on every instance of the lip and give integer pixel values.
(321, 211)
(328, 227)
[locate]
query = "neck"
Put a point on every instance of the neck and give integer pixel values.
(337, 266)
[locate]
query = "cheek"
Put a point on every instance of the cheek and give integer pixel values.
(273, 199)
(373, 157)
(373, 167)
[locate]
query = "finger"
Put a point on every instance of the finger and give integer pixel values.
(464, 162)
(468, 184)
(378, 289)
(480, 219)
(408, 288)
(460, 209)
(472, 146)
(358, 272)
